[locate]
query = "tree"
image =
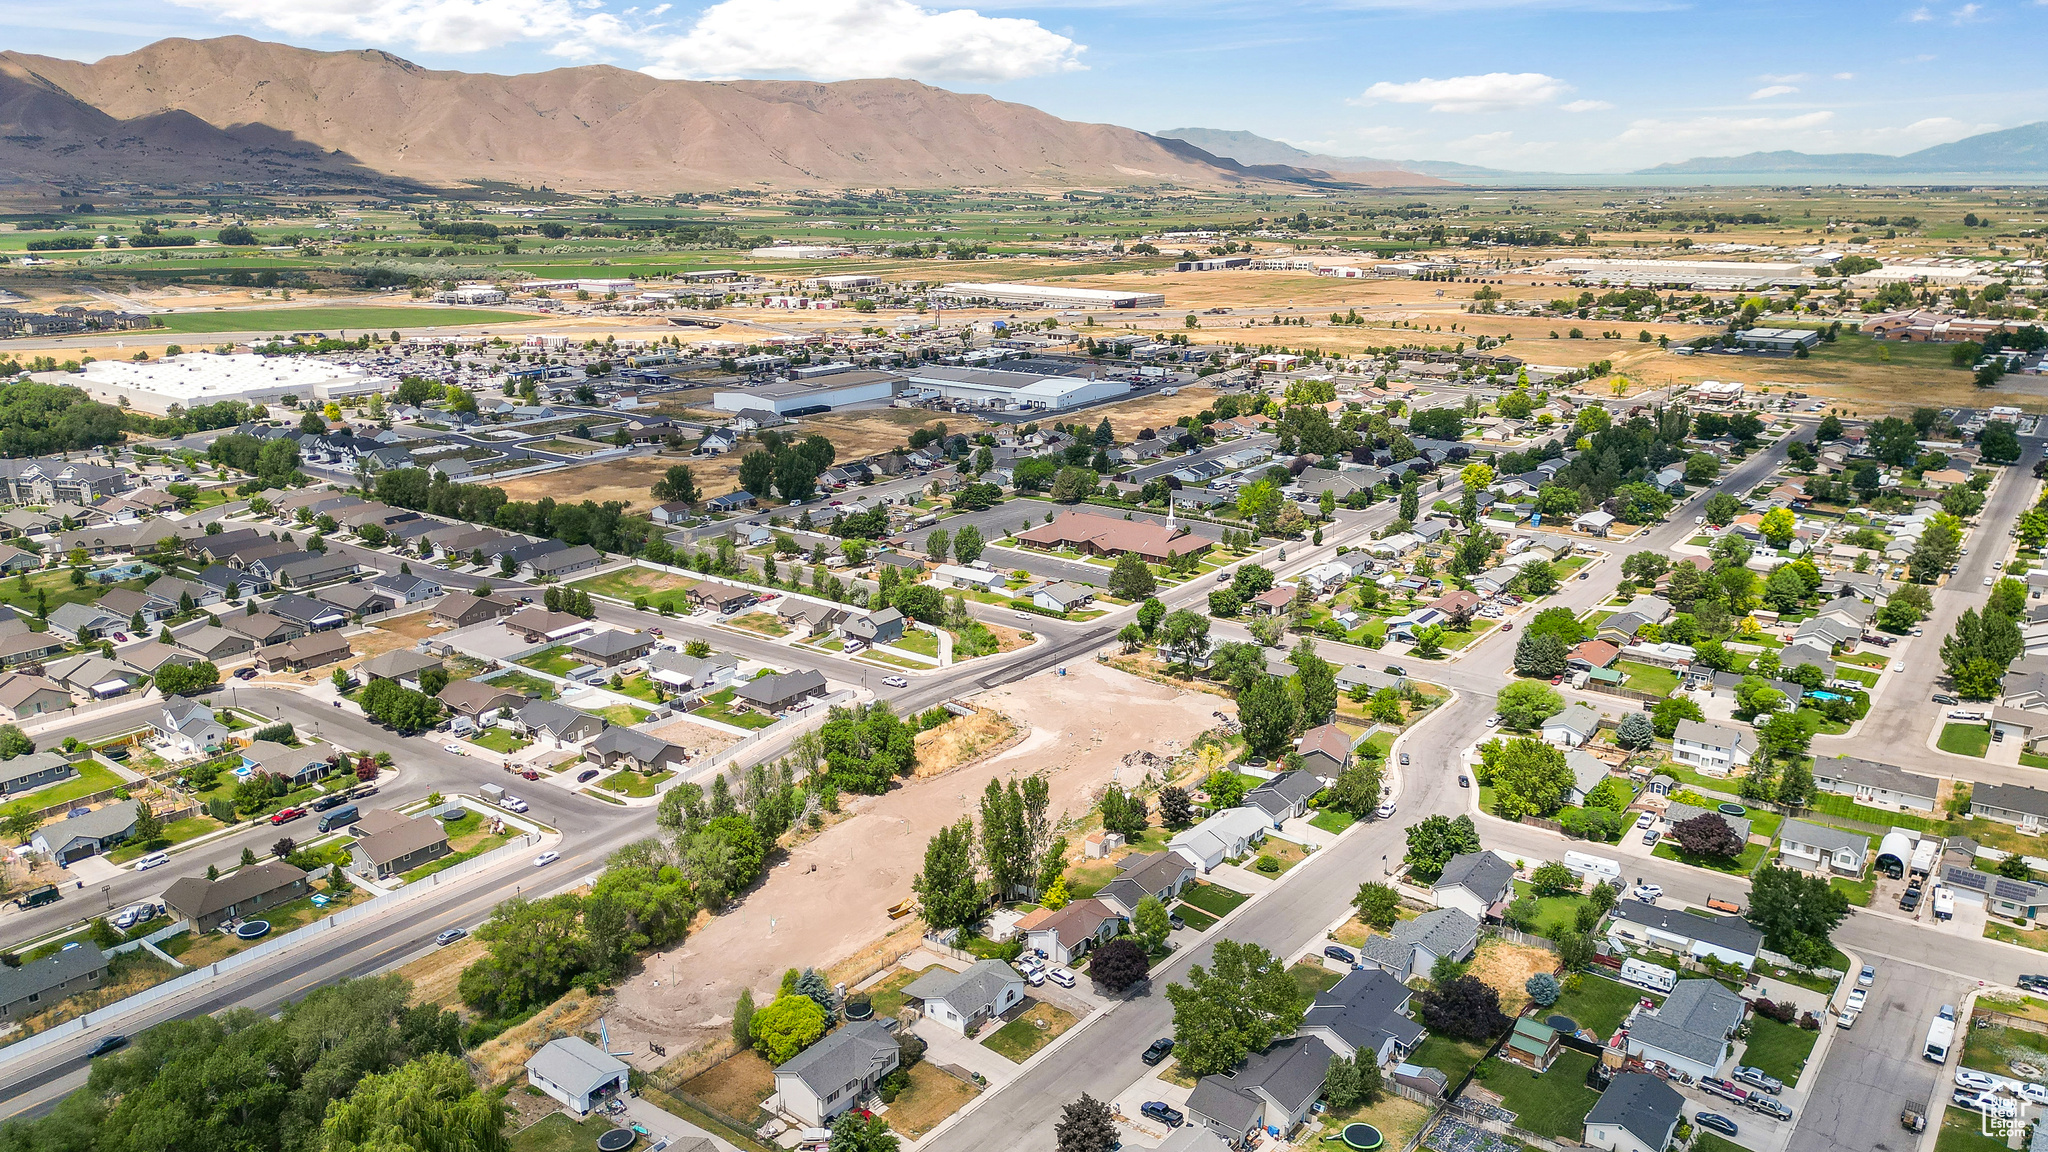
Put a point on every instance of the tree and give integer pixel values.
(1378, 904)
(1530, 778)
(723, 858)
(1610, 793)
(1670, 710)
(1543, 989)
(1132, 578)
(743, 1019)
(430, 1104)
(1894, 441)
(1351, 1081)
(2014, 867)
(678, 484)
(852, 1133)
(1119, 964)
(186, 679)
(1149, 922)
(1150, 613)
(789, 1024)
(14, 742)
(1085, 1126)
(1777, 527)
(1541, 654)
(949, 893)
(1526, 704)
(1184, 638)
(967, 544)
(1357, 789)
(1429, 641)
(1434, 840)
(1999, 443)
(1463, 1008)
(1795, 911)
(1721, 509)
(1315, 681)
(1176, 810)
(813, 985)
(1754, 696)
(533, 949)
(1240, 1004)
(1707, 834)
(1553, 878)
(1073, 484)
(1224, 788)
(1636, 731)
(1268, 714)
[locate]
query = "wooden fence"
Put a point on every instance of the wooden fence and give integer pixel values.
(2008, 1020)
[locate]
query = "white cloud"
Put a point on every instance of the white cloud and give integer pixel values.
(1852, 75)
(1488, 141)
(1967, 14)
(1492, 92)
(1788, 78)
(1602, 105)
(837, 39)
(1919, 16)
(1773, 90)
(818, 39)
(1713, 135)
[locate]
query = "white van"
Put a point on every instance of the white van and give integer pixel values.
(153, 860)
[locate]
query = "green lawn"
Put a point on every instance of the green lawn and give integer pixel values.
(640, 688)
(56, 588)
(1553, 1104)
(555, 661)
(1779, 1049)
(1555, 915)
(1313, 978)
(623, 715)
(1332, 821)
(334, 320)
(1599, 1004)
(177, 832)
(556, 1132)
(1451, 1057)
(919, 641)
(1831, 804)
(887, 998)
(1214, 899)
(1034, 1029)
(1741, 865)
(92, 777)
(1857, 675)
(513, 680)
(631, 783)
(718, 706)
(1194, 917)
(1859, 892)
(502, 740)
(1964, 739)
(1648, 678)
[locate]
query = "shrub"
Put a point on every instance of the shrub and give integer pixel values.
(1771, 1009)
(1268, 864)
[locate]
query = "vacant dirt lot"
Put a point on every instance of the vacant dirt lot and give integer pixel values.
(1080, 727)
(1127, 418)
(626, 479)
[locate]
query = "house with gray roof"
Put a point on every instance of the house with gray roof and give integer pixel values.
(38, 984)
(189, 726)
(1271, 1089)
(884, 627)
(578, 1073)
(1474, 883)
(79, 622)
(1869, 782)
(239, 895)
(89, 835)
(1588, 773)
(2010, 804)
(1227, 835)
(1637, 1113)
(1413, 947)
(1365, 1015)
(1572, 727)
(782, 692)
(964, 1001)
(21, 773)
(612, 647)
(1161, 874)
(1805, 653)
(835, 1073)
(1714, 749)
(1818, 848)
(636, 750)
(681, 672)
(405, 665)
(1284, 797)
(1690, 1030)
(564, 725)
(1729, 939)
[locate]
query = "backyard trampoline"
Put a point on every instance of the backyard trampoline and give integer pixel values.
(617, 1140)
(1359, 1136)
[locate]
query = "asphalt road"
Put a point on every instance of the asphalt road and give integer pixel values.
(1874, 1069)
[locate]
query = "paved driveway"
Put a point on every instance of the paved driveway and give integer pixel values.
(1874, 1069)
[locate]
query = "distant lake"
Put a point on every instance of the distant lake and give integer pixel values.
(1746, 179)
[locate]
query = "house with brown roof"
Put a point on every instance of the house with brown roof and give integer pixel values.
(313, 650)
(239, 895)
(1068, 934)
(24, 697)
(1325, 751)
(461, 609)
(389, 843)
(1094, 534)
(479, 701)
(540, 626)
(1593, 654)
(1273, 601)
(1457, 604)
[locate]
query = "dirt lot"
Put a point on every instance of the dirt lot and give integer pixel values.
(1080, 727)
(700, 741)
(1152, 411)
(626, 479)
(1505, 967)
(395, 633)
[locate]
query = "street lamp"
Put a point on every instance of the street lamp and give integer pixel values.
(1384, 870)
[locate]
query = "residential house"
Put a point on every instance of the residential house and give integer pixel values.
(299, 766)
(721, 598)
(262, 628)
(189, 727)
(1413, 947)
(1364, 1016)
(239, 895)
(33, 770)
(1806, 652)
(2010, 804)
(128, 604)
(1621, 628)
(91, 676)
(959, 576)
(636, 750)
(1325, 751)
(1715, 749)
(579, 1074)
(24, 697)
(1726, 938)
(405, 665)
(1063, 597)
(1160, 874)
(479, 701)
(1572, 727)
(391, 844)
(779, 693)
(1818, 848)
(314, 650)
(1285, 797)
(97, 831)
(540, 626)
(1594, 523)
(37, 984)
(151, 655)
(564, 725)
(1272, 1090)
(684, 673)
(1869, 782)
(835, 1074)
(611, 647)
(1588, 773)
(407, 588)
(563, 562)
(1637, 1113)
(26, 647)
(964, 1001)
(1592, 654)
(884, 627)
(306, 612)
(1475, 883)
(1690, 1030)
(81, 623)
(1228, 835)
(223, 582)
(1068, 934)
(462, 609)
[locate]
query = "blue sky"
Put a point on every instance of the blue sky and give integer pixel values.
(1550, 85)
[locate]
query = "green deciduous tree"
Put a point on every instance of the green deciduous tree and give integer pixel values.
(949, 890)
(428, 1105)
(786, 1026)
(1530, 778)
(1435, 839)
(1238, 1005)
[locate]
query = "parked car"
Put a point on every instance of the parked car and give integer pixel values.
(1340, 955)
(1395, 670)
(1974, 1080)
(1651, 836)
(587, 775)
(455, 748)
(1064, 977)
(450, 936)
(1769, 1106)
(1158, 1051)
(1986, 1103)
(1464, 781)
(1646, 819)
(1173, 918)
(1724, 1089)
(1910, 900)
(1717, 1122)
(1163, 1112)
(245, 673)
(1647, 893)
(1857, 998)
(2033, 982)
(286, 815)
(1867, 977)
(1757, 1077)
(1404, 759)
(1383, 811)
(895, 681)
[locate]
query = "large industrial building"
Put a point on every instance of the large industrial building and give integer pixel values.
(1012, 391)
(1047, 296)
(1723, 275)
(197, 378)
(797, 397)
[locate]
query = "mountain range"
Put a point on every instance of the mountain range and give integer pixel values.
(1246, 148)
(234, 108)
(2012, 151)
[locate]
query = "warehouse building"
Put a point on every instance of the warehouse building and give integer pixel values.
(1047, 296)
(1012, 391)
(797, 397)
(1723, 275)
(1777, 339)
(197, 378)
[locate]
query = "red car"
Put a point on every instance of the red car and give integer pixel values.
(286, 815)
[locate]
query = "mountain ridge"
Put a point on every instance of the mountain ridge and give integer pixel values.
(1250, 148)
(2015, 151)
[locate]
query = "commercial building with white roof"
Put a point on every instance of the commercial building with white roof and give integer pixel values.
(197, 378)
(1051, 297)
(996, 388)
